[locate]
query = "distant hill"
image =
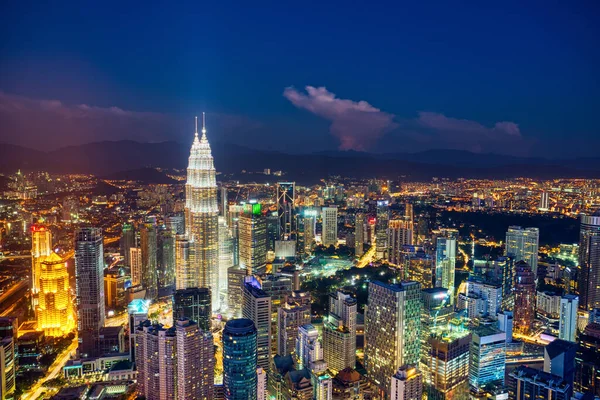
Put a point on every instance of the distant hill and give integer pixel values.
(123, 159)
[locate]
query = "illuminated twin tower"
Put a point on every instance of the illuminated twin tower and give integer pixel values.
(198, 253)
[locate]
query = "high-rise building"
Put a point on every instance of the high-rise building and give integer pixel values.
(201, 213)
(89, 277)
(135, 262)
(544, 201)
(235, 289)
(165, 258)
(559, 360)
(239, 360)
(505, 324)
(392, 330)
(587, 361)
(256, 307)
(186, 273)
(330, 231)
(225, 258)
(568, 317)
(528, 383)
(252, 238)
(194, 304)
(148, 244)
(286, 197)
(482, 299)
(261, 384)
(137, 312)
(294, 313)
(589, 261)
(524, 292)
(41, 247)
(488, 358)
(126, 242)
(176, 223)
(339, 332)
(359, 234)
(8, 368)
(70, 209)
(306, 232)
(381, 229)
(156, 361)
(400, 235)
(419, 266)
(195, 361)
(407, 384)
(55, 308)
(445, 262)
(522, 245)
(436, 312)
(308, 346)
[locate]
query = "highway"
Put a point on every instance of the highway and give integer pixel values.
(18, 290)
(367, 257)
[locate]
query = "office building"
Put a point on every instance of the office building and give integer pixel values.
(418, 266)
(156, 361)
(176, 223)
(589, 261)
(115, 281)
(445, 262)
(148, 244)
(8, 368)
(587, 361)
(290, 317)
(382, 223)
(392, 330)
(194, 304)
(186, 273)
(55, 307)
(195, 361)
(505, 324)
(225, 258)
(126, 242)
(286, 197)
(522, 245)
(201, 213)
(400, 235)
(524, 293)
(330, 228)
(544, 201)
(481, 300)
(137, 312)
(261, 384)
(339, 332)
(235, 285)
(359, 234)
(528, 383)
(488, 357)
(436, 312)
(306, 232)
(41, 247)
(407, 384)
(89, 276)
(70, 209)
(135, 262)
(568, 317)
(308, 346)
(559, 360)
(165, 258)
(256, 306)
(252, 238)
(239, 360)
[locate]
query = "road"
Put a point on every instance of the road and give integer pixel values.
(55, 369)
(13, 257)
(11, 297)
(367, 257)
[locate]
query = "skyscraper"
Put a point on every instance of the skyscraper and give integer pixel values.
(522, 245)
(392, 330)
(148, 243)
(587, 360)
(89, 276)
(292, 314)
(359, 233)
(400, 235)
(165, 258)
(286, 197)
(194, 304)
(239, 360)
(589, 261)
(127, 241)
(41, 247)
(201, 213)
(524, 291)
(8, 364)
(186, 273)
(339, 332)
(137, 312)
(252, 238)
(135, 263)
(195, 361)
(544, 201)
(407, 384)
(488, 358)
(257, 308)
(568, 317)
(55, 308)
(381, 229)
(308, 346)
(329, 234)
(445, 263)
(225, 258)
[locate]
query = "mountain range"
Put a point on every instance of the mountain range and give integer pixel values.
(132, 160)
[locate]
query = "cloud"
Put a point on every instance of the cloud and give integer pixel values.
(49, 124)
(357, 125)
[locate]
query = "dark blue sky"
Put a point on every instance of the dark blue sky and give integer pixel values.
(513, 77)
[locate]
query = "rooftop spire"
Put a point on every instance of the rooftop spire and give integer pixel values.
(203, 124)
(196, 126)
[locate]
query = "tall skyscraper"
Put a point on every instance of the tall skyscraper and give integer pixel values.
(559, 360)
(587, 360)
(135, 263)
(392, 330)
(359, 233)
(195, 361)
(252, 238)
(522, 245)
(201, 213)
(137, 312)
(308, 346)
(55, 308)
(286, 197)
(41, 247)
(528, 383)
(339, 332)
(186, 272)
(381, 229)
(156, 361)
(165, 258)
(544, 201)
(524, 291)
(89, 276)
(126, 242)
(239, 360)
(194, 304)
(235, 290)
(329, 234)
(400, 235)
(407, 384)
(568, 317)
(257, 308)
(8, 367)
(148, 244)
(488, 358)
(292, 314)
(445, 262)
(589, 261)
(225, 258)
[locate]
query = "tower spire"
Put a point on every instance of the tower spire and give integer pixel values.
(203, 123)
(196, 125)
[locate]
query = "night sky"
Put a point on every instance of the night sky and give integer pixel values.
(512, 77)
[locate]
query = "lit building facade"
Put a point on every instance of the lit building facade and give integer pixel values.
(589, 261)
(239, 360)
(407, 384)
(339, 332)
(524, 292)
(195, 304)
(290, 317)
(400, 235)
(488, 358)
(256, 306)
(252, 238)
(359, 233)
(445, 262)
(195, 361)
(55, 308)
(330, 228)
(381, 229)
(148, 243)
(286, 198)
(568, 317)
(41, 247)
(308, 346)
(522, 245)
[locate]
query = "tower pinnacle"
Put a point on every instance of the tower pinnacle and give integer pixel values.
(196, 134)
(203, 124)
